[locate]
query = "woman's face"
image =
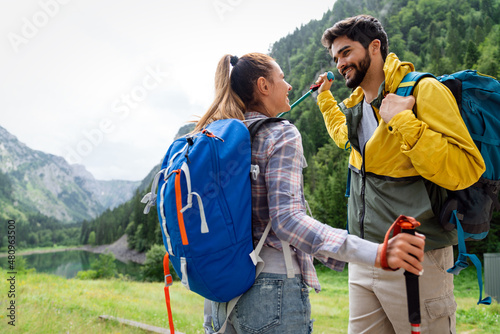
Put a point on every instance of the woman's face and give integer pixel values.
(279, 91)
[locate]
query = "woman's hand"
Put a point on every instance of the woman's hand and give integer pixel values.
(404, 251)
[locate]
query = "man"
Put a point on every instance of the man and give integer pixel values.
(404, 151)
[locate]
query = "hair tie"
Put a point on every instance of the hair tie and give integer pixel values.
(234, 60)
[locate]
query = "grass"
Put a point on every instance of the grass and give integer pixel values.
(52, 304)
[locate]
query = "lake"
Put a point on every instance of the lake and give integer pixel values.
(69, 263)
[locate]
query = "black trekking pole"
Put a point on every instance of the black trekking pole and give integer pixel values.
(412, 288)
(405, 224)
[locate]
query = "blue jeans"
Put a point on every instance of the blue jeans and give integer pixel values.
(274, 304)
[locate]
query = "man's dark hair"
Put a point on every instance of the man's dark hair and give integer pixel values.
(362, 28)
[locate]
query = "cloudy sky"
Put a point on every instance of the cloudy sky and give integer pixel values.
(107, 84)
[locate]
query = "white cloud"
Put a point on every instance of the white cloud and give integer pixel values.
(67, 67)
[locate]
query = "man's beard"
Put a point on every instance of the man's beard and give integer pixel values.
(360, 72)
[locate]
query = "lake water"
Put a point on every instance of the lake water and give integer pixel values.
(69, 263)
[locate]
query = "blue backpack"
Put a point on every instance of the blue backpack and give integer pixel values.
(204, 208)
(470, 210)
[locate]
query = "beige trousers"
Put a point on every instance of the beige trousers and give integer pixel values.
(378, 303)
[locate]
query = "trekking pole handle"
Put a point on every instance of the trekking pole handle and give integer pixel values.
(329, 76)
(313, 88)
(412, 288)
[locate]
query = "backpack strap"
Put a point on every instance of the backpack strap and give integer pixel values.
(168, 283)
(255, 126)
(150, 198)
(259, 263)
(410, 80)
(253, 129)
(462, 259)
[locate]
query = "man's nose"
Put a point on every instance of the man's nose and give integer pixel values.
(340, 65)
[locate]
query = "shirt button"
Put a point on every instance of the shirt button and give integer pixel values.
(390, 128)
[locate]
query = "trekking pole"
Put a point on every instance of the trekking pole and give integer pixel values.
(313, 88)
(406, 224)
(412, 288)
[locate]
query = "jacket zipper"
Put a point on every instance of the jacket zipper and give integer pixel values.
(363, 185)
(363, 193)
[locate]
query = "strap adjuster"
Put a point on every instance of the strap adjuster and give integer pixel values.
(254, 171)
(168, 280)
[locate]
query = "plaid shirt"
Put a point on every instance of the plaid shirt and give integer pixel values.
(278, 195)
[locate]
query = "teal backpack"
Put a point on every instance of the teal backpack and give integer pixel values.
(470, 210)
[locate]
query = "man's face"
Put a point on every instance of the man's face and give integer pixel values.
(352, 59)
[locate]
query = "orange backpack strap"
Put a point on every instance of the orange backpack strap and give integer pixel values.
(402, 222)
(168, 283)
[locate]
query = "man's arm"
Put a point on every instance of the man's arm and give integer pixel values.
(436, 140)
(334, 118)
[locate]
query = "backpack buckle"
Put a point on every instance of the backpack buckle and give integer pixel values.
(168, 280)
(254, 171)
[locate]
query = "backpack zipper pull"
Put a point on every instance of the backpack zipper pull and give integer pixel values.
(211, 135)
(190, 143)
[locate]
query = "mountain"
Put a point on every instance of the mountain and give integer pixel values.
(45, 183)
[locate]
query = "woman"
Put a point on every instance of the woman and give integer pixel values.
(251, 88)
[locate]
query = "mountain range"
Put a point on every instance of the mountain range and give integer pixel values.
(34, 181)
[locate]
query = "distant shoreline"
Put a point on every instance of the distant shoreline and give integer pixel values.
(119, 249)
(43, 251)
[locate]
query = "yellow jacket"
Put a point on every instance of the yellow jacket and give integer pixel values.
(406, 163)
(435, 145)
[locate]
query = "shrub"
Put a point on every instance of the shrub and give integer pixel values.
(152, 271)
(86, 275)
(104, 267)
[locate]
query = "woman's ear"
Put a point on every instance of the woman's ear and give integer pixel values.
(263, 86)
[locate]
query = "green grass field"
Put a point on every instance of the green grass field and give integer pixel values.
(51, 304)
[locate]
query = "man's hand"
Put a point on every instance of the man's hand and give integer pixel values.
(325, 83)
(404, 251)
(393, 104)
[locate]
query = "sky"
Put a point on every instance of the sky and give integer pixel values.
(107, 84)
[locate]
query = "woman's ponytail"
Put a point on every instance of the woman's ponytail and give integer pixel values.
(226, 104)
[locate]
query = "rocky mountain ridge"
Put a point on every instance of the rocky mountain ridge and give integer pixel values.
(48, 184)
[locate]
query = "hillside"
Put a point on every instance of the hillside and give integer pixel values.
(37, 182)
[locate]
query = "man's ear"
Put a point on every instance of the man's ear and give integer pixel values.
(374, 46)
(263, 86)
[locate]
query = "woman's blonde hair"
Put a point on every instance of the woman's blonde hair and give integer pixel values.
(235, 87)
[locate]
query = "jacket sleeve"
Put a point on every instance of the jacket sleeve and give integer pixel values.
(436, 140)
(283, 175)
(335, 120)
